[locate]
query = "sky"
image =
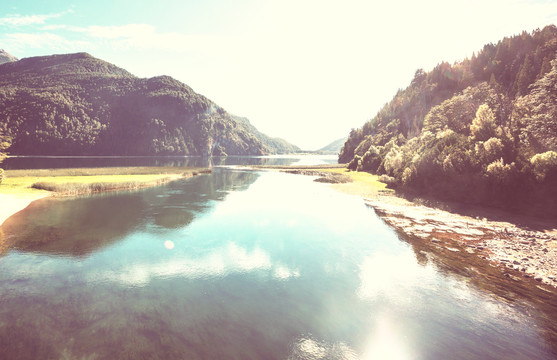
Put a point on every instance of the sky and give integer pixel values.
(304, 70)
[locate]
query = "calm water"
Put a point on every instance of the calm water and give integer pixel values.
(50, 162)
(245, 265)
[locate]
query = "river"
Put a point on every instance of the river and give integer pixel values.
(245, 265)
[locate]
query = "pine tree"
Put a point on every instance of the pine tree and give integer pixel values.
(525, 76)
(546, 67)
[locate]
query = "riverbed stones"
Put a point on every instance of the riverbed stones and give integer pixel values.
(533, 253)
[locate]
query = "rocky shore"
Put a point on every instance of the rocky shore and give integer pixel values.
(519, 250)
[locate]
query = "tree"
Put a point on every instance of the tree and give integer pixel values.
(544, 163)
(4, 144)
(525, 76)
(540, 115)
(546, 67)
(483, 126)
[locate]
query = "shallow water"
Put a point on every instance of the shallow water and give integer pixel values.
(245, 265)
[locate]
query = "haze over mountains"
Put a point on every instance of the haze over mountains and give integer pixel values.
(75, 104)
(334, 147)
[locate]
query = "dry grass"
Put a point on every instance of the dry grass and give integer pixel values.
(89, 180)
(363, 184)
(140, 170)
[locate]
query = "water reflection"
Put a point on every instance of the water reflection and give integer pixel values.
(387, 342)
(54, 162)
(307, 348)
(268, 266)
(73, 227)
(220, 262)
(80, 226)
(469, 274)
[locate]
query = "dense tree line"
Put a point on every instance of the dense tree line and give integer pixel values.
(4, 144)
(483, 130)
(76, 104)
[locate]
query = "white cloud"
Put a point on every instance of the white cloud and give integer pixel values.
(21, 20)
(53, 27)
(18, 42)
(117, 32)
(145, 37)
(25, 20)
(297, 68)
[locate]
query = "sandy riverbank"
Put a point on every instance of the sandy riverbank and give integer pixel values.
(11, 204)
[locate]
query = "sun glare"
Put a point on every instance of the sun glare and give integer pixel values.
(386, 343)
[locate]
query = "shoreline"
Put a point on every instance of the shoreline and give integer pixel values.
(519, 251)
(521, 248)
(14, 202)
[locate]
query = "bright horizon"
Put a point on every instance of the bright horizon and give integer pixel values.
(293, 68)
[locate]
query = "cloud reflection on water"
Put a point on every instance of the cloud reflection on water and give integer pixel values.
(221, 262)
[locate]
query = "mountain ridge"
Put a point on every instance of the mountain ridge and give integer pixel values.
(76, 104)
(334, 146)
(6, 57)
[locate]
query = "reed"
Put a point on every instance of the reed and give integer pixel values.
(91, 180)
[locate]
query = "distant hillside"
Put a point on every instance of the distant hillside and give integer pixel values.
(280, 146)
(75, 104)
(6, 57)
(334, 147)
(483, 130)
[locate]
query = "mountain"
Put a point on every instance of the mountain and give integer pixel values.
(75, 104)
(6, 57)
(334, 147)
(280, 146)
(483, 130)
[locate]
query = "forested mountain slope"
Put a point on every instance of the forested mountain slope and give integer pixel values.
(75, 104)
(483, 130)
(279, 146)
(334, 147)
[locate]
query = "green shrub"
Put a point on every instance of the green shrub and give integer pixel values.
(483, 126)
(389, 180)
(501, 173)
(408, 175)
(489, 151)
(371, 160)
(544, 163)
(354, 163)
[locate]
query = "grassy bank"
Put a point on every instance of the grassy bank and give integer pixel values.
(350, 182)
(89, 180)
(363, 184)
